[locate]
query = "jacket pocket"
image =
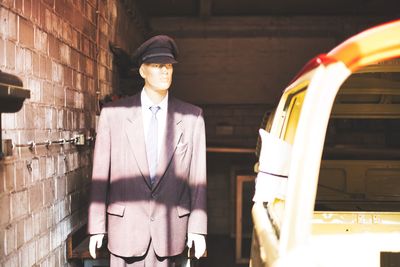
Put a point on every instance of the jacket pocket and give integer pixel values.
(183, 209)
(181, 148)
(115, 209)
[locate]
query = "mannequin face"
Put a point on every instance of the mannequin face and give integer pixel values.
(157, 77)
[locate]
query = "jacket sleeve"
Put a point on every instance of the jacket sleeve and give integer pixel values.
(198, 180)
(100, 177)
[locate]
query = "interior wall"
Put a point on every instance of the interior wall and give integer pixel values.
(230, 60)
(236, 69)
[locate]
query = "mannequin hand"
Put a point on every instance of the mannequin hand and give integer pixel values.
(95, 242)
(199, 244)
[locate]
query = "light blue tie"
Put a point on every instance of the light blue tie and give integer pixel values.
(152, 143)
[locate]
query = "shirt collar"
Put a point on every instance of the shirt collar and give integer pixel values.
(147, 103)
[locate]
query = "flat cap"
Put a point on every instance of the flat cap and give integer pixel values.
(158, 49)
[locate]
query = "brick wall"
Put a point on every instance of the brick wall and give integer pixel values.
(59, 48)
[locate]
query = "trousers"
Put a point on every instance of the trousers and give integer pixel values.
(150, 259)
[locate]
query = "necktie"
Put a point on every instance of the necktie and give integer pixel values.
(152, 146)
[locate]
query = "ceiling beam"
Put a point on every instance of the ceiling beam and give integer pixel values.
(205, 8)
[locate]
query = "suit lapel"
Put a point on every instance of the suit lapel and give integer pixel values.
(172, 134)
(135, 133)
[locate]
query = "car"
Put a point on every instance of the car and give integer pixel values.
(328, 182)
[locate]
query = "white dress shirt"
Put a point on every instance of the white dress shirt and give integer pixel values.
(161, 118)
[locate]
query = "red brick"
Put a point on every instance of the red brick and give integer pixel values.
(27, 8)
(50, 3)
(36, 89)
(10, 240)
(89, 66)
(19, 60)
(35, 11)
(75, 59)
(57, 72)
(29, 117)
(42, 248)
(41, 41)
(91, 13)
(2, 178)
(5, 211)
(90, 86)
(65, 53)
(10, 55)
(48, 93)
(26, 33)
(69, 96)
(75, 39)
(49, 69)
(8, 121)
(2, 245)
(35, 197)
(67, 76)
(35, 172)
(20, 175)
(19, 204)
(60, 8)
(56, 25)
(77, 80)
(78, 19)
(47, 16)
(18, 5)
(61, 165)
(8, 3)
(32, 257)
(61, 187)
(36, 223)
(24, 256)
(102, 73)
(75, 201)
(28, 61)
(49, 191)
(2, 53)
(12, 26)
(35, 64)
(69, 119)
(54, 47)
(42, 160)
(71, 180)
(39, 121)
(29, 232)
(67, 32)
(42, 63)
(9, 177)
(20, 233)
(48, 120)
(82, 62)
(50, 164)
(59, 96)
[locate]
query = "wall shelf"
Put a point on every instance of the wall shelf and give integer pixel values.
(12, 96)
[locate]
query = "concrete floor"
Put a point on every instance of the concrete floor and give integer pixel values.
(221, 252)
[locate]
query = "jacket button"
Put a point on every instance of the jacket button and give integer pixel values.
(151, 218)
(154, 195)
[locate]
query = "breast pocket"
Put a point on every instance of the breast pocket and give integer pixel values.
(183, 209)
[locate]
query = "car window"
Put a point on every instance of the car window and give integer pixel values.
(361, 158)
(292, 110)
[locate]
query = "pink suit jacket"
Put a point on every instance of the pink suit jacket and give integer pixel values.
(124, 205)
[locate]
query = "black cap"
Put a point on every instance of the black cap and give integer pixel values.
(158, 49)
